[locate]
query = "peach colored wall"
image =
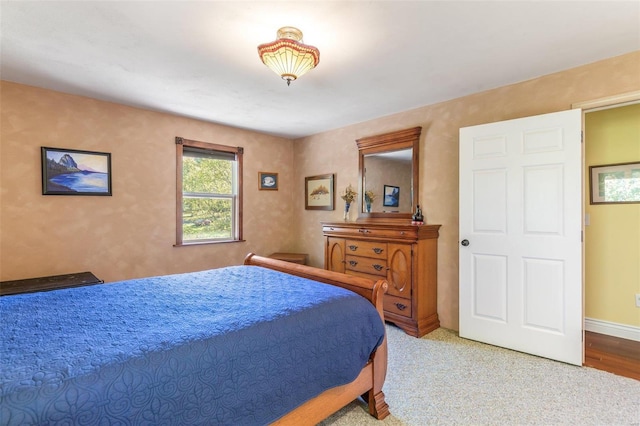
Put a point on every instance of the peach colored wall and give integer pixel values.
(336, 152)
(130, 234)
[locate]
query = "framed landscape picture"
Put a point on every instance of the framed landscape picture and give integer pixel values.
(74, 172)
(319, 192)
(615, 183)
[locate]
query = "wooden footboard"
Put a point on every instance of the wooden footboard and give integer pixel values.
(369, 382)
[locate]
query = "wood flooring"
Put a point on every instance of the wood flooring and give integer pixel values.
(612, 354)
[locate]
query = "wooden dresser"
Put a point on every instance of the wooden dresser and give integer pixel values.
(406, 255)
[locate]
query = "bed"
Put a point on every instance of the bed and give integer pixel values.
(267, 342)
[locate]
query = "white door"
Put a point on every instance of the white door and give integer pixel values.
(520, 235)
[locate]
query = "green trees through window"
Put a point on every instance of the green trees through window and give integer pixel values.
(208, 210)
(206, 206)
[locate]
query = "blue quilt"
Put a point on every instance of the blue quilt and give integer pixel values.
(231, 346)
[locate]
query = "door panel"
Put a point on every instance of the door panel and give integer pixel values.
(490, 201)
(490, 295)
(543, 200)
(520, 212)
(544, 290)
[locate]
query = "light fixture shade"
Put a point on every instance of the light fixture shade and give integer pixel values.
(287, 56)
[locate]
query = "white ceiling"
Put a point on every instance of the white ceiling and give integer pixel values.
(199, 58)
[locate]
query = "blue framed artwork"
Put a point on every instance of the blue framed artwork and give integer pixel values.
(391, 196)
(74, 172)
(267, 181)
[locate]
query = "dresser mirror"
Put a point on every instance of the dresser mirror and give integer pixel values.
(389, 171)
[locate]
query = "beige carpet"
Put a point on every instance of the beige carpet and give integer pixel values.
(442, 379)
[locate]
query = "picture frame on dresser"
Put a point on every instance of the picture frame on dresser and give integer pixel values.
(319, 192)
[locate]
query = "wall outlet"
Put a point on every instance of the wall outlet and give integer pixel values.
(638, 300)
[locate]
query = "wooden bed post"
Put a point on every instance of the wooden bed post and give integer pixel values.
(375, 397)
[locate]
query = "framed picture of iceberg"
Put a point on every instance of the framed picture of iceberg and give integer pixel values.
(74, 172)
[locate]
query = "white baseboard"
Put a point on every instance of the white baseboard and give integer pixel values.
(622, 331)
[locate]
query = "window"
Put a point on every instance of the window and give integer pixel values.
(209, 192)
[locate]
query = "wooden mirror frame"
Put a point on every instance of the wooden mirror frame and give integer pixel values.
(394, 141)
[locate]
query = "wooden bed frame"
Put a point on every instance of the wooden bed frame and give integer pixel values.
(369, 382)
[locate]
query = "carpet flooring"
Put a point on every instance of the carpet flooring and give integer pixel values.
(442, 379)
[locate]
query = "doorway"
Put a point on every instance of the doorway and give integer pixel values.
(612, 240)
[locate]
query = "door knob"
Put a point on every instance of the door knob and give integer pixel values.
(464, 242)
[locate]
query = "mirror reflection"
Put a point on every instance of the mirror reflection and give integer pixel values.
(387, 182)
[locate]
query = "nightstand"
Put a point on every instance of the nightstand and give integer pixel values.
(300, 258)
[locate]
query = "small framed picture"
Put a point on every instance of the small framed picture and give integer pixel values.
(391, 196)
(267, 181)
(319, 192)
(615, 183)
(74, 172)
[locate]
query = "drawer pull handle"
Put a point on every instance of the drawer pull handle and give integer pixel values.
(378, 267)
(363, 231)
(401, 307)
(353, 248)
(353, 263)
(378, 250)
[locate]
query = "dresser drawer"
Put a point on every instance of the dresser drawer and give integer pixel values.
(342, 231)
(365, 275)
(371, 249)
(397, 305)
(404, 234)
(408, 233)
(366, 265)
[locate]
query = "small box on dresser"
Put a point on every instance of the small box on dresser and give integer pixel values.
(406, 255)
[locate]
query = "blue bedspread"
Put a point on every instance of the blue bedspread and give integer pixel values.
(232, 346)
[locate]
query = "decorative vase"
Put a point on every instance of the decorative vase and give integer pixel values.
(346, 212)
(368, 207)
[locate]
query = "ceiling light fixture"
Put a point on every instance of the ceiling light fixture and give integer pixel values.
(287, 56)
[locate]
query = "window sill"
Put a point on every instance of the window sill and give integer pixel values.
(201, 243)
